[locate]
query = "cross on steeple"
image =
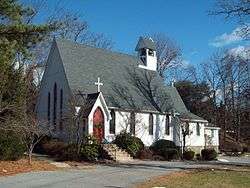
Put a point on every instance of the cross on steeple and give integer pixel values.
(98, 84)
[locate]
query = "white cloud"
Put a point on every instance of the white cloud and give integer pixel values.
(185, 63)
(227, 38)
(241, 51)
(194, 52)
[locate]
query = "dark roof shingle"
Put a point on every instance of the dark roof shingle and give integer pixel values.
(145, 43)
(84, 64)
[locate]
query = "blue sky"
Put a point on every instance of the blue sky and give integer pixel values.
(185, 21)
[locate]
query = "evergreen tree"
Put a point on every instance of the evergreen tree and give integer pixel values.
(197, 98)
(16, 38)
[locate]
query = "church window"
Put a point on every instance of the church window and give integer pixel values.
(198, 129)
(48, 110)
(167, 125)
(151, 52)
(61, 109)
(132, 123)
(143, 56)
(212, 133)
(151, 124)
(187, 128)
(112, 122)
(55, 105)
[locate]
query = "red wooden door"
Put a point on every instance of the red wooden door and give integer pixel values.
(98, 124)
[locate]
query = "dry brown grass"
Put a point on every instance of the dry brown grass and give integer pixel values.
(204, 179)
(8, 168)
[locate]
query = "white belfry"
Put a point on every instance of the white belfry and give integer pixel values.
(98, 84)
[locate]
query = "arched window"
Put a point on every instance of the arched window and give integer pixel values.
(132, 123)
(48, 108)
(61, 110)
(55, 104)
(151, 124)
(112, 122)
(167, 125)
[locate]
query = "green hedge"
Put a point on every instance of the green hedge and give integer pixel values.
(208, 154)
(130, 143)
(188, 155)
(90, 149)
(165, 148)
(11, 147)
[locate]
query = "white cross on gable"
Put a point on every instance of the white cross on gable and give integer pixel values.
(98, 84)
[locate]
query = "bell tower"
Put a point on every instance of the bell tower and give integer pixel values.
(147, 53)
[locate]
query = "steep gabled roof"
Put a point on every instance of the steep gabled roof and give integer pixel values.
(84, 64)
(145, 43)
(86, 101)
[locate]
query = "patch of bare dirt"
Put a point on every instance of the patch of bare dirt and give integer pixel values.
(8, 168)
(80, 165)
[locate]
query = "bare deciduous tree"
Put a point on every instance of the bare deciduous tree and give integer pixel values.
(235, 9)
(228, 76)
(182, 72)
(168, 53)
(239, 9)
(32, 133)
(69, 25)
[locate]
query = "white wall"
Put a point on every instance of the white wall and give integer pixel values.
(141, 127)
(54, 73)
(215, 138)
(193, 139)
(151, 62)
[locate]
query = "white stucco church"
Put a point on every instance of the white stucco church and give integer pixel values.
(113, 92)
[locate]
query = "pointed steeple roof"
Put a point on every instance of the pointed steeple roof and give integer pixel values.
(145, 43)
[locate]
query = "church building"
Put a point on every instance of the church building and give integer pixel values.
(108, 92)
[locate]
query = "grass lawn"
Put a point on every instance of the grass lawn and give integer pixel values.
(204, 179)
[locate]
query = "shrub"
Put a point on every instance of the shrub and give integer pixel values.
(208, 154)
(131, 144)
(198, 156)
(166, 149)
(90, 149)
(54, 148)
(158, 158)
(69, 153)
(146, 153)
(39, 146)
(57, 149)
(171, 153)
(188, 155)
(159, 144)
(11, 147)
(245, 149)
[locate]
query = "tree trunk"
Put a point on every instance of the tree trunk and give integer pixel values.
(184, 141)
(30, 154)
(30, 158)
(184, 144)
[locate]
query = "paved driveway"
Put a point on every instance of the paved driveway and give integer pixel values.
(244, 160)
(101, 176)
(110, 176)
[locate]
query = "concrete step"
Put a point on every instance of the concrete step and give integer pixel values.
(116, 153)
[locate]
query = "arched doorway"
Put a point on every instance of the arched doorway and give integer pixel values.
(98, 124)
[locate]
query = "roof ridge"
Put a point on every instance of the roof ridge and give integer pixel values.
(93, 47)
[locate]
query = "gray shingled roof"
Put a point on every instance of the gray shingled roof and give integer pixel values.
(84, 64)
(86, 101)
(145, 43)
